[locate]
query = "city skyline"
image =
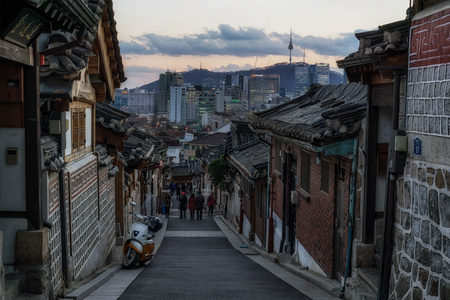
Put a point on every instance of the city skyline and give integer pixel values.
(180, 36)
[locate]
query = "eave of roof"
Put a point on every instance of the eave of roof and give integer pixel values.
(326, 114)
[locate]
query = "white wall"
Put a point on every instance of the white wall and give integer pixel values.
(12, 189)
(12, 177)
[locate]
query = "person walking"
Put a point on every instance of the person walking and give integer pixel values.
(177, 190)
(200, 201)
(192, 205)
(211, 203)
(183, 205)
(167, 204)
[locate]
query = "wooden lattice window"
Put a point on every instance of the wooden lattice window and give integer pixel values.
(78, 129)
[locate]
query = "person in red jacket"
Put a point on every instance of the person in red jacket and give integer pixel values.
(192, 205)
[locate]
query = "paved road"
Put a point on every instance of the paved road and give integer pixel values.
(203, 259)
(196, 261)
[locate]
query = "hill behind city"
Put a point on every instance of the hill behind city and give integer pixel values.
(286, 71)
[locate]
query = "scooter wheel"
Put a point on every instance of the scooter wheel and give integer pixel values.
(130, 259)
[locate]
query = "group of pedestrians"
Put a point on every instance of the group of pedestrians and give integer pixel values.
(195, 204)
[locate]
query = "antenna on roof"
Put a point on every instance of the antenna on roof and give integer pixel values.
(304, 50)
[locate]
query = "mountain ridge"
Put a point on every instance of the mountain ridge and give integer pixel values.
(286, 72)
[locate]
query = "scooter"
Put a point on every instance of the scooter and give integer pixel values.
(140, 246)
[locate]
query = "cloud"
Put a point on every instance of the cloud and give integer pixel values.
(240, 42)
(142, 69)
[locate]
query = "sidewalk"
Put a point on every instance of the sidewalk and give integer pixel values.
(111, 283)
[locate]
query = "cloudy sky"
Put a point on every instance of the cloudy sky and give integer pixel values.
(180, 35)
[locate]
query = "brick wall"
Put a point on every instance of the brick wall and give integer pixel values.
(315, 218)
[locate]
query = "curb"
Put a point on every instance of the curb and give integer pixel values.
(83, 291)
(329, 285)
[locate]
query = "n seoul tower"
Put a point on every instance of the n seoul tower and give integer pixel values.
(290, 47)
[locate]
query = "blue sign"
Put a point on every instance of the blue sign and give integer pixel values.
(417, 146)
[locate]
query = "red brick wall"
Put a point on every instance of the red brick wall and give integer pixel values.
(430, 44)
(315, 218)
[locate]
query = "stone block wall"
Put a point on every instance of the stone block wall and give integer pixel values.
(421, 256)
(421, 260)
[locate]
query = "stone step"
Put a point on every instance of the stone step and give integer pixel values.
(369, 276)
(357, 289)
(12, 286)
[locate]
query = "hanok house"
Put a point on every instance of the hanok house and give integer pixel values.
(248, 205)
(380, 63)
(315, 145)
(58, 179)
(112, 129)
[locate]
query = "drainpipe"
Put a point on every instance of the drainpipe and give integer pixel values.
(386, 254)
(351, 211)
(62, 212)
(283, 228)
(269, 209)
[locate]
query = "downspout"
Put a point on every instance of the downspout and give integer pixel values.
(389, 215)
(283, 228)
(351, 212)
(269, 208)
(62, 212)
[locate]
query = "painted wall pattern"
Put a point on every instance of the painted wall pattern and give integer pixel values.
(54, 236)
(84, 214)
(107, 205)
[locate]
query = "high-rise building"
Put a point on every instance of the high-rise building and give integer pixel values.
(260, 87)
(166, 80)
(141, 101)
(206, 107)
(302, 81)
(121, 99)
(306, 75)
(322, 74)
(192, 94)
(177, 105)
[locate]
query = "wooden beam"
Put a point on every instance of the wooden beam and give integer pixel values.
(33, 144)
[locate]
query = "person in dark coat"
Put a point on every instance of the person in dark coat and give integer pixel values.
(177, 190)
(211, 203)
(167, 205)
(183, 206)
(192, 205)
(200, 202)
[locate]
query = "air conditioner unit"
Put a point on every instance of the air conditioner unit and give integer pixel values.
(294, 197)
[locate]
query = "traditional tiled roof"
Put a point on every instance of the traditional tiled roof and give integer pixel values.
(324, 115)
(251, 159)
(75, 23)
(210, 139)
(105, 160)
(182, 170)
(389, 38)
(52, 159)
(141, 146)
(113, 118)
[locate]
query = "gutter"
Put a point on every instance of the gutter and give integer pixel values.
(351, 212)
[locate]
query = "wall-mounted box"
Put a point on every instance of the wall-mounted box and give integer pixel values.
(11, 84)
(55, 127)
(401, 143)
(12, 156)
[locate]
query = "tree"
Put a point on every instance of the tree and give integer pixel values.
(219, 171)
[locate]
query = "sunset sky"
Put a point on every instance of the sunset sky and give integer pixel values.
(176, 35)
